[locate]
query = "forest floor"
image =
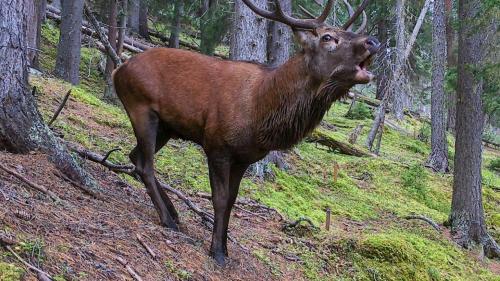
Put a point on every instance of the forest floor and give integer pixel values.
(80, 237)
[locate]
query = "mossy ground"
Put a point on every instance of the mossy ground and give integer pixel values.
(370, 240)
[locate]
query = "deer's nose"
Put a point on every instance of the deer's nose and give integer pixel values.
(372, 44)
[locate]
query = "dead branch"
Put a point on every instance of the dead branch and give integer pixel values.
(60, 108)
(297, 222)
(129, 268)
(249, 212)
(344, 147)
(102, 37)
(143, 243)
(36, 186)
(426, 219)
(207, 218)
(94, 157)
(105, 158)
(37, 270)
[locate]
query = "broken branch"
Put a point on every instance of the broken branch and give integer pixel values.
(143, 243)
(60, 108)
(37, 270)
(344, 148)
(129, 268)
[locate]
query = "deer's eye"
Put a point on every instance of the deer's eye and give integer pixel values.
(328, 38)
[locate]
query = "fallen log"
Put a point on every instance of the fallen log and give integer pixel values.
(363, 98)
(343, 147)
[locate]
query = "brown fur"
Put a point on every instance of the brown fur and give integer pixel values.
(237, 111)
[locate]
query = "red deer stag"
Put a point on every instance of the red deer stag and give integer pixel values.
(237, 111)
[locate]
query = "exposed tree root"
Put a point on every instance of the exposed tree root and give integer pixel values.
(426, 219)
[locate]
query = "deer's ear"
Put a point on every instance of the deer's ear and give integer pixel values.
(306, 39)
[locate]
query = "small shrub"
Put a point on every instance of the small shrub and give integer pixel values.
(10, 272)
(360, 111)
(424, 133)
(415, 179)
(495, 164)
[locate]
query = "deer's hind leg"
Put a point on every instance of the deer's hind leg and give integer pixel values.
(146, 127)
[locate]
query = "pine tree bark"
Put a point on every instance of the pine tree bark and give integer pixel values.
(438, 159)
(57, 4)
(68, 50)
(21, 126)
(384, 69)
(133, 15)
(249, 33)
(173, 41)
(143, 20)
(122, 26)
(280, 38)
(451, 62)
(397, 85)
(109, 93)
(467, 213)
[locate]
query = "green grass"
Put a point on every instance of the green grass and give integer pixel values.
(375, 192)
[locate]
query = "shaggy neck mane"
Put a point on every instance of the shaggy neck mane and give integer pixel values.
(291, 102)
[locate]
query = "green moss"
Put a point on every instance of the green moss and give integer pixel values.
(10, 272)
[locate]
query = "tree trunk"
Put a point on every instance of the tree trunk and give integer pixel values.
(173, 41)
(68, 50)
(249, 33)
(248, 42)
(384, 60)
(399, 76)
(438, 160)
(143, 20)
(133, 15)
(122, 26)
(467, 214)
(109, 93)
(21, 126)
(32, 16)
(451, 62)
(280, 38)
(57, 4)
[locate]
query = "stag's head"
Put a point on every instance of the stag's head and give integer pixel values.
(332, 53)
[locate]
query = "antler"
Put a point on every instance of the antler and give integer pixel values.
(350, 10)
(355, 15)
(279, 15)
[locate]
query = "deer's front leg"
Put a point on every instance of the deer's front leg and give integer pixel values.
(223, 198)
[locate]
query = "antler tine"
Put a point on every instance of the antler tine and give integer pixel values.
(279, 15)
(350, 10)
(356, 14)
(363, 24)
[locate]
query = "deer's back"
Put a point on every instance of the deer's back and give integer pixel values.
(196, 96)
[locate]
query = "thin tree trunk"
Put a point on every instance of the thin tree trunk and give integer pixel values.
(384, 70)
(143, 20)
(438, 159)
(451, 62)
(399, 99)
(173, 41)
(68, 50)
(280, 38)
(467, 213)
(133, 15)
(396, 79)
(122, 26)
(399, 77)
(21, 126)
(109, 93)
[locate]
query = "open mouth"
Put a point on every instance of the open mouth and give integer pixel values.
(364, 75)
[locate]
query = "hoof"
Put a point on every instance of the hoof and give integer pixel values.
(220, 259)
